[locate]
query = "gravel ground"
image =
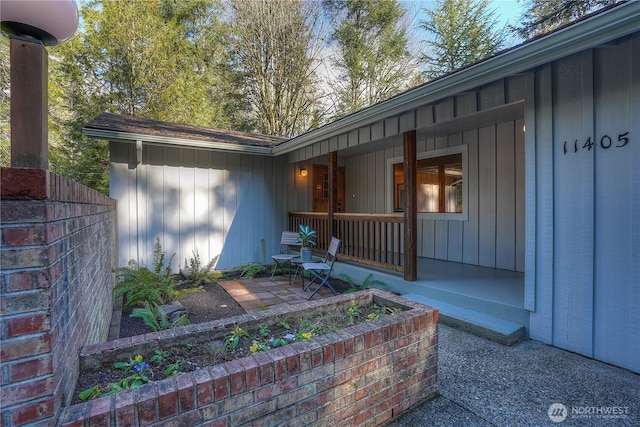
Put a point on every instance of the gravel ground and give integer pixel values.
(482, 383)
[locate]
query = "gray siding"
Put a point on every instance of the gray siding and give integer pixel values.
(218, 203)
(493, 235)
(586, 231)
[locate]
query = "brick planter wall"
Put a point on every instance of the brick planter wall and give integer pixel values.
(362, 375)
(57, 256)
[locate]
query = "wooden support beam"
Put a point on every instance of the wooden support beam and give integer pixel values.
(410, 208)
(333, 191)
(29, 104)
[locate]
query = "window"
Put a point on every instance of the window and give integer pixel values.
(440, 184)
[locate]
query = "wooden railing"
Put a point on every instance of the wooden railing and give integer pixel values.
(372, 239)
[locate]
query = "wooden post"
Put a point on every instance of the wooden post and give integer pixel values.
(333, 191)
(410, 208)
(29, 104)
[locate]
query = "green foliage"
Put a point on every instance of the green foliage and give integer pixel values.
(251, 270)
(306, 236)
(263, 250)
(199, 274)
(369, 282)
(5, 102)
(233, 339)
(136, 370)
(140, 285)
(155, 59)
(543, 16)
(156, 319)
(463, 32)
(373, 60)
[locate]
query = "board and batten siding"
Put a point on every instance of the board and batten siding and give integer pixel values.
(493, 235)
(584, 239)
(216, 203)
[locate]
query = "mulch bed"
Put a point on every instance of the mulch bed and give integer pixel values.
(210, 304)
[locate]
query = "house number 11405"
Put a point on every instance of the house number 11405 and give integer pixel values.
(605, 143)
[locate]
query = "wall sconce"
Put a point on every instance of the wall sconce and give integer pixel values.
(304, 172)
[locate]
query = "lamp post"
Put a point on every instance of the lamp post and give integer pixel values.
(32, 25)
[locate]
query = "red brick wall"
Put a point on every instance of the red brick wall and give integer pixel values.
(363, 375)
(58, 250)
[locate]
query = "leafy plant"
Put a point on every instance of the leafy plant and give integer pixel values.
(199, 274)
(306, 236)
(139, 284)
(233, 339)
(156, 319)
(251, 270)
(369, 282)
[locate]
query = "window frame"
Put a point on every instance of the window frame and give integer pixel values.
(458, 149)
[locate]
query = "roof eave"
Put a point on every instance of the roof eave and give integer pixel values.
(176, 142)
(610, 25)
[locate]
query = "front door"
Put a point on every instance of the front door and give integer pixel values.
(321, 189)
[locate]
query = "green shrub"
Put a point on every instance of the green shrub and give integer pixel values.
(369, 282)
(138, 284)
(199, 274)
(155, 318)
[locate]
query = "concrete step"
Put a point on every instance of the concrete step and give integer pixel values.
(493, 328)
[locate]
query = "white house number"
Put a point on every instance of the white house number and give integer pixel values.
(605, 143)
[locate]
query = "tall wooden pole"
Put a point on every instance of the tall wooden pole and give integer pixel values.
(29, 104)
(410, 208)
(333, 191)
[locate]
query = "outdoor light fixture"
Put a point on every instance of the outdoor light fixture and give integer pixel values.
(303, 172)
(50, 22)
(31, 25)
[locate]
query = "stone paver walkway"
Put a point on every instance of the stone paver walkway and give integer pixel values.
(261, 293)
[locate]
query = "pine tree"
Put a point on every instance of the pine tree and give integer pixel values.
(463, 33)
(543, 16)
(372, 61)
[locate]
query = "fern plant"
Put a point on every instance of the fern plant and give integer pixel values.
(199, 274)
(156, 319)
(369, 282)
(138, 284)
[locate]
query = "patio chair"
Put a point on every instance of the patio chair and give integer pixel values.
(320, 271)
(287, 240)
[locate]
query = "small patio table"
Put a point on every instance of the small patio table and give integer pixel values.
(297, 261)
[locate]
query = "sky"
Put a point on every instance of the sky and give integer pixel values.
(507, 11)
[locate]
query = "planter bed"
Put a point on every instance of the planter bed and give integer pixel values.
(366, 373)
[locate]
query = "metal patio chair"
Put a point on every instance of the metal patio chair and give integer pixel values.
(320, 271)
(287, 240)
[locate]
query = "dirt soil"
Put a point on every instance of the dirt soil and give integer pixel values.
(212, 303)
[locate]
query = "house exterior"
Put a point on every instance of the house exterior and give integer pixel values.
(528, 162)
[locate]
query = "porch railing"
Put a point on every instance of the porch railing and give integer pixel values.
(372, 239)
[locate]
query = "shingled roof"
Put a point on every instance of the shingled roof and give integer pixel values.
(124, 127)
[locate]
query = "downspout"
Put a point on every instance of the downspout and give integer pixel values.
(138, 190)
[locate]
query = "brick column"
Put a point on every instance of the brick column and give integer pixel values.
(58, 250)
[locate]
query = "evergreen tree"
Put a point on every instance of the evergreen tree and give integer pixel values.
(543, 16)
(157, 59)
(463, 33)
(372, 61)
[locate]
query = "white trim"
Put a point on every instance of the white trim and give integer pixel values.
(458, 149)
